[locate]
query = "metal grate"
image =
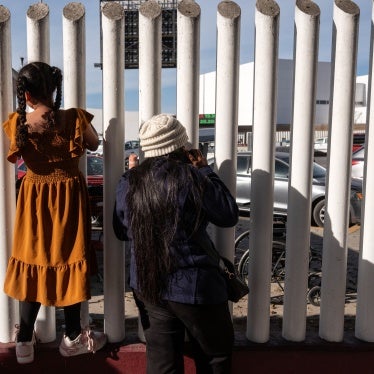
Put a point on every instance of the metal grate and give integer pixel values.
(169, 32)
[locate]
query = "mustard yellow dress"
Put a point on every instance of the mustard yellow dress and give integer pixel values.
(50, 259)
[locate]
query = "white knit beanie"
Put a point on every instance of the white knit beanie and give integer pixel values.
(162, 134)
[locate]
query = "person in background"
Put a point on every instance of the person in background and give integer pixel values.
(163, 207)
(50, 259)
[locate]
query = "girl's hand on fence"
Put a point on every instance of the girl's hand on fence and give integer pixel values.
(197, 159)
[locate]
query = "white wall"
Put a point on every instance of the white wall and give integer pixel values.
(131, 123)
(284, 96)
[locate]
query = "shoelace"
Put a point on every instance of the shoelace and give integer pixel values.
(16, 332)
(16, 326)
(90, 340)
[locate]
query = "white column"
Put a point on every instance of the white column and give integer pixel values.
(8, 306)
(74, 48)
(113, 134)
(74, 73)
(299, 201)
(38, 48)
(149, 60)
(150, 63)
(227, 99)
(364, 328)
(188, 68)
(334, 258)
(264, 120)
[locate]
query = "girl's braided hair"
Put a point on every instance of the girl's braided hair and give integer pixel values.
(40, 80)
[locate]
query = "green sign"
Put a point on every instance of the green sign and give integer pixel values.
(207, 120)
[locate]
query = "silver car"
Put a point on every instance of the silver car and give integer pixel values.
(281, 173)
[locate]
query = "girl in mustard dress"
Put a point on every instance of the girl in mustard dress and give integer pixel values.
(50, 260)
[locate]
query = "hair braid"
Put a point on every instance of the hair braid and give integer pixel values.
(22, 128)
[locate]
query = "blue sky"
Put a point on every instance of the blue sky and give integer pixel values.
(18, 9)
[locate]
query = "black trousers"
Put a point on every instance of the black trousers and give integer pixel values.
(209, 328)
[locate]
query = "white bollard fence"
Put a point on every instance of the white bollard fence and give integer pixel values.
(265, 88)
(38, 49)
(334, 259)
(8, 307)
(299, 193)
(74, 70)
(188, 68)
(38, 45)
(227, 98)
(113, 133)
(365, 301)
(262, 180)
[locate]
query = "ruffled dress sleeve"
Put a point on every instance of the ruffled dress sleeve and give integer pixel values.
(83, 119)
(10, 129)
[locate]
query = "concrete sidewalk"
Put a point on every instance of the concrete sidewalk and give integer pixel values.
(96, 304)
(277, 355)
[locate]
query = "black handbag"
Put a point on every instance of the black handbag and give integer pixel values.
(236, 287)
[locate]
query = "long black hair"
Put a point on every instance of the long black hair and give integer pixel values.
(40, 80)
(154, 215)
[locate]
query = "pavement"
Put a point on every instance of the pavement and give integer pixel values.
(96, 304)
(276, 355)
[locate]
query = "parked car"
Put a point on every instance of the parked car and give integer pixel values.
(320, 144)
(100, 149)
(243, 188)
(131, 144)
(358, 163)
(95, 170)
(21, 168)
(358, 141)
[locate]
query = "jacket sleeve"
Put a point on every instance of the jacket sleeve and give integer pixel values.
(119, 222)
(219, 205)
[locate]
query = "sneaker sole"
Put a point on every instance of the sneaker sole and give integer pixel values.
(25, 359)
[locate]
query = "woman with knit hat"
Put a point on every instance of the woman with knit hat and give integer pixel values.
(163, 207)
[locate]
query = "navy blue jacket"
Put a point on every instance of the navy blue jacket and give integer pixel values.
(197, 279)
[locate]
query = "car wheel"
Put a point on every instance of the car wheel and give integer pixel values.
(319, 213)
(314, 296)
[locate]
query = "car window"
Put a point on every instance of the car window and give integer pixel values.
(242, 164)
(320, 141)
(318, 171)
(281, 169)
(358, 138)
(94, 166)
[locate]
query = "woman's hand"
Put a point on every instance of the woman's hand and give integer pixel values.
(133, 160)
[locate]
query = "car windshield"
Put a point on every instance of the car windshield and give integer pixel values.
(318, 171)
(360, 153)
